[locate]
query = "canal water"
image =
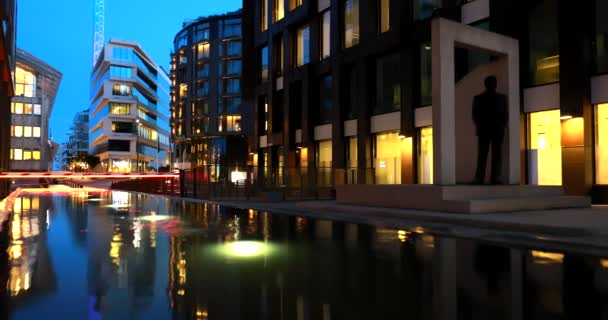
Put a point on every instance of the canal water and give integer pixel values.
(117, 255)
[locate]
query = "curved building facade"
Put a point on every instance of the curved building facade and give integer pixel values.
(129, 110)
(206, 115)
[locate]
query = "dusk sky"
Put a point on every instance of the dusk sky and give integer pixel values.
(61, 33)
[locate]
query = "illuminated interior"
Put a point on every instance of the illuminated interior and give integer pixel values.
(545, 138)
(425, 162)
(601, 144)
(324, 157)
(387, 160)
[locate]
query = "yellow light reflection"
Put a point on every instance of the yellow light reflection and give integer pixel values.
(403, 235)
(245, 249)
(181, 292)
(604, 263)
(542, 257)
(154, 218)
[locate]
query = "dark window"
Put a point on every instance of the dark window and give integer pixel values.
(349, 93)
(388, 86)
(233, 67)
(544, 45)
(122, 127)
(233, 48)
(426, 75)
(233, 105)
(231, 28)
(325, 100)
(232, 86)
(119, 145)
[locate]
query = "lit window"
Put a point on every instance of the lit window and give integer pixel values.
(120, 108)
(233, 123)
(384, 14)
(264, 12)
(203, 50)
(279, 10)
(36, 154)
(17, 108)
(601, 144)
(27, 132)
(17, 154)
(326, 34)
(425, 159)
(293, 4)
(27, 155)
(183, 90)
(351, 23)
(303, 46)
(121, 90)
(37, 109)
(18, 131)
(27, 108)
(36, 132)
(545, 167)
(25, 83)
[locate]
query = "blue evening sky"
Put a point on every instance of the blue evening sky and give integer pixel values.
(60, 32)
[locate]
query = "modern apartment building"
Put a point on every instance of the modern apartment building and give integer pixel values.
(342, 89)
(36, 86)
(129, 110)
(206, 119)
(8, 24)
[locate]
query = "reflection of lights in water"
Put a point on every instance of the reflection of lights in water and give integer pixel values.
(181, 292)
(181, 270)
(246, 249)
(542, 257)
(429, 241)
(418, 230)
(202, 314)
(120, 199)
(136, 234)
(115, 246)
(604, 263)
(95, 200)
(15, 251)
(48, 219)
(154, 218)
(403, 235)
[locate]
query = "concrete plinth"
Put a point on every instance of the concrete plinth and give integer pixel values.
(460, 199)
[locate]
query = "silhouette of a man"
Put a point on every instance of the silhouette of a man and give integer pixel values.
(490, 118)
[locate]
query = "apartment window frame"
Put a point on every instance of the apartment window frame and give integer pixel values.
(384, 16)
(302, 46)
(294, 4)
(325, 34)
(278, 10)
(351, 16)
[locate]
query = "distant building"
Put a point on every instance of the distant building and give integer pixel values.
(206, 73)
(8, 16)
(129, 110)
(36, 86)
(78, 139)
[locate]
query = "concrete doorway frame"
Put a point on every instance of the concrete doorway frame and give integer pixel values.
(446, 36)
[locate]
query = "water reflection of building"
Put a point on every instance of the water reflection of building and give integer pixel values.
(320, 269)
(29, 262)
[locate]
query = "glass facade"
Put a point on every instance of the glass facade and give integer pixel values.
(601, 144)
(388, 84)
(545, 155)
(351, 23)
(543, 41)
